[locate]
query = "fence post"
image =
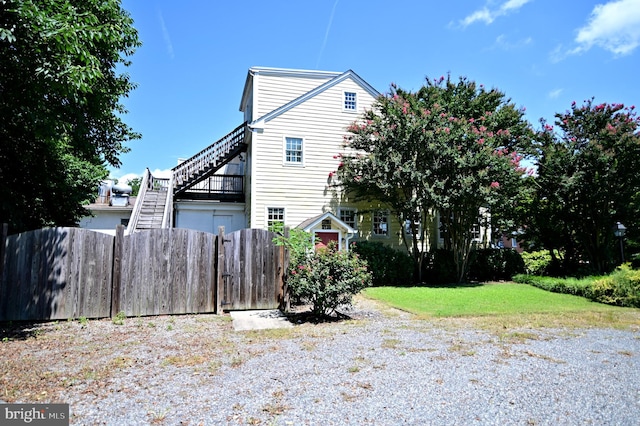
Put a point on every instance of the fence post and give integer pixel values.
(3, 246)
(117, 271)
(219, 288)
(286, 299)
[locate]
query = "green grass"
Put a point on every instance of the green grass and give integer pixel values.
(503, 303)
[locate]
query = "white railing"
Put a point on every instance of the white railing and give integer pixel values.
(137, 207)
(167, 217)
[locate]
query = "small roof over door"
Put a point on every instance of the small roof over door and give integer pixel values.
(315, 225)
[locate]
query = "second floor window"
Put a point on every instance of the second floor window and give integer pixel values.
(293, 151)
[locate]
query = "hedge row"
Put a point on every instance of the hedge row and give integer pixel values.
(620, 288)
(393, 267)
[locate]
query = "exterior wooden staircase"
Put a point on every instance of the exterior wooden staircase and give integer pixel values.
(152, 209)
(209, 160)
(153, 205)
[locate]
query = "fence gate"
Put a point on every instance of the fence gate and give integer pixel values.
(252, 277)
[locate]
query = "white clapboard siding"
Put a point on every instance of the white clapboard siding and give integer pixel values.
(274, 89)
(303, 191)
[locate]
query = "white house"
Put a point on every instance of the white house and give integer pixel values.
(276, 166)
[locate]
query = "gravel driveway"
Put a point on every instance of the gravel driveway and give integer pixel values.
(378, 368)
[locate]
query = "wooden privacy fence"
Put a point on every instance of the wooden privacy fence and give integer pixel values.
(61, 273)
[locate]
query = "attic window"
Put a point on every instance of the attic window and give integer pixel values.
(349, 101)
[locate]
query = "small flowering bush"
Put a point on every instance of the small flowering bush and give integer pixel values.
(328, 278)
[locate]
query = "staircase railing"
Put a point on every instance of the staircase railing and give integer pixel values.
(167, 217)
(192, 168)
(137, 207)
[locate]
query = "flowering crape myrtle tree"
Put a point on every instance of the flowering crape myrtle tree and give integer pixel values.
(587, 181)
(451, 147)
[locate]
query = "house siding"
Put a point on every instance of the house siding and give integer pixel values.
(304, 191)
(275, 91)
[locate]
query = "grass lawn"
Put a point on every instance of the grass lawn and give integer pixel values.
(506, 302)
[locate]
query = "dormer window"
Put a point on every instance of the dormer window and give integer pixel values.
(350, 103)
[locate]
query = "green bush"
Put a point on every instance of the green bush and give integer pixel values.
(328, 278)
(388, 266)
(537, 262)
(495, 264)
(575, 286)
(438, 267)
(620, 288)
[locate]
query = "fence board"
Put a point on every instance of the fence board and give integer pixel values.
(166, 271)
(59, 273)
(252, 276)
(56, 273)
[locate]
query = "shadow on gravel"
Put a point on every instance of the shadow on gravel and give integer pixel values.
(308, 317)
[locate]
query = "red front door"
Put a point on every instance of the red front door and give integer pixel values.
(326, 237)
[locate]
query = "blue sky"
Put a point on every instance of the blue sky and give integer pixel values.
(191, 68)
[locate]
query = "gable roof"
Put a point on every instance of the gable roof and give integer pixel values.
(258, 123)
(310, 223)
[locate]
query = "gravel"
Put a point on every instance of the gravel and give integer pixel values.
(377, 369)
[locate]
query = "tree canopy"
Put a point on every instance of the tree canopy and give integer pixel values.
(451, 147)
(60, 91)
(587, 181)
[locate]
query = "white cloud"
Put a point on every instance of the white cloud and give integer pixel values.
(554, 94)
(157, 173)
(614, 26)
(487, 15)
(162, 174)
(502, 42)
(125, 178)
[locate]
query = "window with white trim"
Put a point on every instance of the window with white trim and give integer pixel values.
(349, 216)
(293, 150)
(275, 215)
(381, 223)
(350, 103)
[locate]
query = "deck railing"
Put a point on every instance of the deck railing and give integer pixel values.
(208, 157)
(219, 184)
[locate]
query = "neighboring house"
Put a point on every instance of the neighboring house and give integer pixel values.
(277, 166)
(112, 207)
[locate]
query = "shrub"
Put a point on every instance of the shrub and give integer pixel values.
(387, 265)
(621, 288)
(484, 265)
(328, 278)
(495, 264)
(537, 262)
(575, 286)
(439, 267)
